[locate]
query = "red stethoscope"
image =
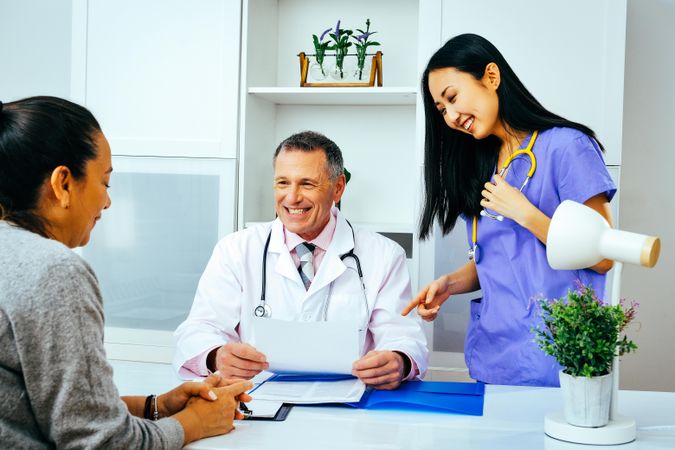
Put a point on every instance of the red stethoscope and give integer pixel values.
(474, 250)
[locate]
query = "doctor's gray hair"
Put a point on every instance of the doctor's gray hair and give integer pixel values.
(308, 141)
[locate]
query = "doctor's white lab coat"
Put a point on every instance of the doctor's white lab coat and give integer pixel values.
(230, 288)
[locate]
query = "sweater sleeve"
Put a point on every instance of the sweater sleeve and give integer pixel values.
(68, 379)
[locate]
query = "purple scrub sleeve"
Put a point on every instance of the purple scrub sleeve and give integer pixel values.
(513, 270)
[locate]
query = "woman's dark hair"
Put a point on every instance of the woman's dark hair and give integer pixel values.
(457, 166)
(38, 134)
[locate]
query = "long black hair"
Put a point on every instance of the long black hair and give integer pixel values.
(37, 135)
(456, 166)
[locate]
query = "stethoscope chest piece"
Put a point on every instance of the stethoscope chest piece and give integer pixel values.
(474, 253)
(263, 311)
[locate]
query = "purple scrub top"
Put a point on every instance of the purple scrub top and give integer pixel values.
(513, 270)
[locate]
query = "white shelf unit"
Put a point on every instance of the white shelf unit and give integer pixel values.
(375, 127)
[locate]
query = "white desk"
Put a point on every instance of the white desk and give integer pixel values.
(513, 419)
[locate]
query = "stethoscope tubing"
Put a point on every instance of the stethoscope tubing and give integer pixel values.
(474, 250)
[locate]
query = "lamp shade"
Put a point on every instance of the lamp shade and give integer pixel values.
(579, 237)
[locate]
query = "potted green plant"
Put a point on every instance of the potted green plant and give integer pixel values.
(584, 334)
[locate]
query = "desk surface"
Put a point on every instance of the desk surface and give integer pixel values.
(513, 419)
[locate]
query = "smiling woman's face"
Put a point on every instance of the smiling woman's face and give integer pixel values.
(467, 104)
(89, 196)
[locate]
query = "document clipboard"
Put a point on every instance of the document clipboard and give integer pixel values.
(280, 415)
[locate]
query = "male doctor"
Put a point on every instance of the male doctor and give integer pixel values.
(306, 279)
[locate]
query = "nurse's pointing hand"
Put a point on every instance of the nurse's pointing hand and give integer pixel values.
(237, 360)
(429, 300)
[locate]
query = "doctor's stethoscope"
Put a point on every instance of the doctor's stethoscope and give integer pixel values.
(474, 250)
(264, 310)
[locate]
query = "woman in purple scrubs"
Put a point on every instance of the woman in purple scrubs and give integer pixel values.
(478, 113)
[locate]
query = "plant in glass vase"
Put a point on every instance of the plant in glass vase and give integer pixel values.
(362, 45)
(584, 335)
(317, 69)
(341, 45)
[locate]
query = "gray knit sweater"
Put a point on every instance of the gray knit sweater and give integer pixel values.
(56, 387)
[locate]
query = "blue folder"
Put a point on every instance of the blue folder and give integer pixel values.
(457, 398)
(439, 396)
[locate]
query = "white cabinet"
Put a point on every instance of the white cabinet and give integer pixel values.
(570, 55)
(162, 78)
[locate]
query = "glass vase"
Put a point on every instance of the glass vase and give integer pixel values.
(342, 73)
(317, 71)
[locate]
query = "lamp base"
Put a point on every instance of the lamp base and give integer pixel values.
(619, 430)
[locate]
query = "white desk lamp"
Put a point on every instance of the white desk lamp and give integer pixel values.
(579, 237)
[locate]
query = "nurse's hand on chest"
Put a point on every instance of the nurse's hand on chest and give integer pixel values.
(502, 198)
(237, 360)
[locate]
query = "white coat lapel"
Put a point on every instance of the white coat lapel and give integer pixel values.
(331, 265)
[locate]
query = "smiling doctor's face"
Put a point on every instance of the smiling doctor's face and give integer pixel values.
(304, 192)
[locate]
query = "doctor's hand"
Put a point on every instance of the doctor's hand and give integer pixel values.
(506, 200)
(237, 360)
(429, 300)
(380, 369)
(175, 400)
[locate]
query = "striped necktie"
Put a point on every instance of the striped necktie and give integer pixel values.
(306, 269)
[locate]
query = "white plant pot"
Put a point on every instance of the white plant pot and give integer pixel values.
(586, 399)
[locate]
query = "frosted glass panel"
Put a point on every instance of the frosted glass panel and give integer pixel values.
(152, 245)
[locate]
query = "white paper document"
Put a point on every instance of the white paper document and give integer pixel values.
(308, 347)
(307, 392)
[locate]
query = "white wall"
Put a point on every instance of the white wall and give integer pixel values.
(647, 199)
(34, 48)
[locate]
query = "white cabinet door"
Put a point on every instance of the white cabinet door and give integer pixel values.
(151, 246)
(160, 75)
